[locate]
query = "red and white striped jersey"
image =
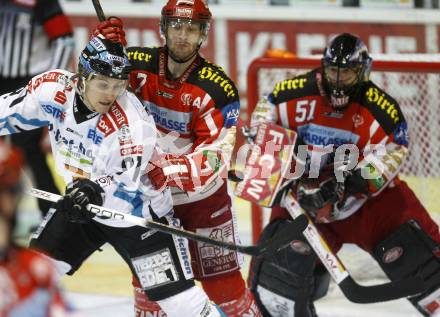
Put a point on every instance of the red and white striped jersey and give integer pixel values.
(373, 118)
(196, 114)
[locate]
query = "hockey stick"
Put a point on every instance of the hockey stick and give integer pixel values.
(265, 249)
(99, 11)
(352, 290)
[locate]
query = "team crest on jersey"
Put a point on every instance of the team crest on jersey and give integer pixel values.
(358, 120)
(186, 99)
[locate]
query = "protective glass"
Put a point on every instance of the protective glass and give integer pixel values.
(190, 26)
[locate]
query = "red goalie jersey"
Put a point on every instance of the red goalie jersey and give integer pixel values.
(373, 120)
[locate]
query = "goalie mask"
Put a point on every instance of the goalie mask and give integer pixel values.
(193, 15)
(346, 64)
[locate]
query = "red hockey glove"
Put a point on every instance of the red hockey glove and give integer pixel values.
(111, 29)
(170, 170)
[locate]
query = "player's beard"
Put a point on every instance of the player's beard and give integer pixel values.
(182, 53)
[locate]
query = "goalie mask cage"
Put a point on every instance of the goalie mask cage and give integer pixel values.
(415, 84)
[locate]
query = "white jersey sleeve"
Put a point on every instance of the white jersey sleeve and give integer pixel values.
(24, 109)
(112, 149)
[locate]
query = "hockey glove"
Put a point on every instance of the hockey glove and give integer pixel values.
(112, 29)
(170, 170)
(320, 196)
(356, 184)
(76, 199)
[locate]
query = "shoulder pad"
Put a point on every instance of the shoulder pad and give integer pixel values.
(296, 87)
(382, 106)
(143, 58)
(213, 80)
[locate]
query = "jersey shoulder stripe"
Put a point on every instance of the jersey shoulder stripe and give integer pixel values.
(212, 79)
(144, 58)
(300, 86)
(384, 108)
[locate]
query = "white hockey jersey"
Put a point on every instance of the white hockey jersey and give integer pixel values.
(112, 149)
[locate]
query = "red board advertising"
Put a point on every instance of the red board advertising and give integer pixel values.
(233, 44)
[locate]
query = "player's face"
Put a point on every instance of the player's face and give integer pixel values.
(102, 91)
(183, 37)
(341, 77)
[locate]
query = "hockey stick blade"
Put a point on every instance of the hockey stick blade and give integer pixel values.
(268, 247)
(98, 9)
(382, 292)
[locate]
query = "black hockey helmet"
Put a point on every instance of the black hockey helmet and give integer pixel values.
(346, 64)
(104, 57)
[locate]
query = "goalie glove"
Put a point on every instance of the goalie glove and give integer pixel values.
(111, 29)
(170, 170)
(320, 197)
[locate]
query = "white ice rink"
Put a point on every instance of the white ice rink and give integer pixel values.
(92, 290)
(334, 305)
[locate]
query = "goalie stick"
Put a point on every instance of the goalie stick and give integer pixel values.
(263, 190)
(352, 290)
(265, 249)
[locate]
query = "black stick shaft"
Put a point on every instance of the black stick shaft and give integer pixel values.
(99, 11)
